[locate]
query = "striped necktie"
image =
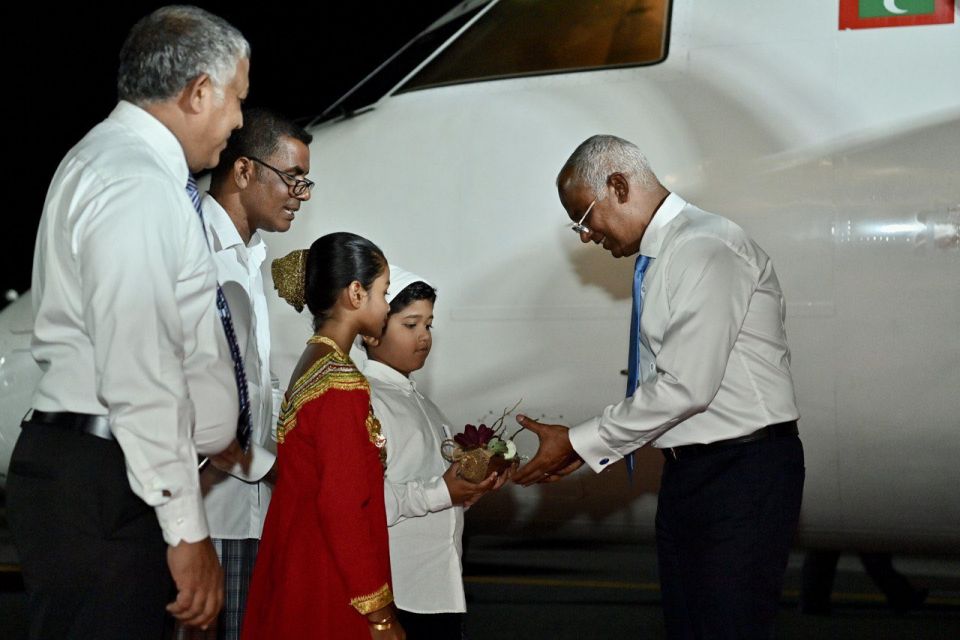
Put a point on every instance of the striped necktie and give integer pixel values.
(244, 425)
(633, 366)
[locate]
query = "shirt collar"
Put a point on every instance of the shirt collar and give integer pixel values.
(225, 234)
(385, 373)
(157, 136)
(655, 231)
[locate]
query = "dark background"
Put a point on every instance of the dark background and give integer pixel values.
(61, 80)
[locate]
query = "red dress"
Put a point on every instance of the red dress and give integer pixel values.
(324, 556)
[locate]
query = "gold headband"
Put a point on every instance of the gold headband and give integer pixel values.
(290, 277)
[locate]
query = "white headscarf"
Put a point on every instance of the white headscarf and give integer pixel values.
(400, 279)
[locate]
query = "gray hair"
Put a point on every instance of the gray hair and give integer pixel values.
(598, 157)
(171, 47)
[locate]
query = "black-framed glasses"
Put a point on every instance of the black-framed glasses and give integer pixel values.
(297, 186)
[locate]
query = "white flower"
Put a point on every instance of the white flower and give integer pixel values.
(511, 450)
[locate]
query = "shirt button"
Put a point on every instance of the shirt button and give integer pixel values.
(652, 366)
(605, 461)
(179, 520)
(643, 289)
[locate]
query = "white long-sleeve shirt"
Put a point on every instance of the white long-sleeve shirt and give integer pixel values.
(237, 504)
(425, 529)
(126, 323)
(716, 364)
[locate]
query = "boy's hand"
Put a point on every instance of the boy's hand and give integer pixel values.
(466, 493)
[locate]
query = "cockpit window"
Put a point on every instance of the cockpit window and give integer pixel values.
(385, 77)
(533, 37)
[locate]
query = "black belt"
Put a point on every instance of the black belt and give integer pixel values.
(77, 422)
(780, 430)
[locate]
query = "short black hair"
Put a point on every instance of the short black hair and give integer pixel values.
(333, 262)
(414, 291)
(259, 137)
(418, 290)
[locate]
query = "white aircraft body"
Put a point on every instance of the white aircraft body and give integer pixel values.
(836, 149)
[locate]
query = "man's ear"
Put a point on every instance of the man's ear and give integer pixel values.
(197, 93)
(243, 172)
(620, 185)
(371, 342)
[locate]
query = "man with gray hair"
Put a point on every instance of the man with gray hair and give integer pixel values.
(708, 384)
(137, 351)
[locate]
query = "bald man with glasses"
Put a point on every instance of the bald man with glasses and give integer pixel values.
(708, 384)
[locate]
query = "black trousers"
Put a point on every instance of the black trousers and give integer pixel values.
(725, 523)
(431, 626)
(92, 553)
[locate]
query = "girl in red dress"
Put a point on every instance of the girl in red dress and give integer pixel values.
(323, 568)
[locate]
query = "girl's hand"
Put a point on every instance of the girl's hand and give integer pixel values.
(395, 632)
(384, 624)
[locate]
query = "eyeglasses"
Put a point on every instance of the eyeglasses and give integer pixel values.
(297, 186)
(580, 227)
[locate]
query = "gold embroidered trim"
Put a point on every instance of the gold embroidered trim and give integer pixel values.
(374, 430)
(376, 600)
(335, 370)
(316, 339)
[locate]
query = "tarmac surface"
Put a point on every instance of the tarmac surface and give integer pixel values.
(571, 589)
(560, 588)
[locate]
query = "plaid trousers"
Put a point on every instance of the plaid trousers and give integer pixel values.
(237, 558)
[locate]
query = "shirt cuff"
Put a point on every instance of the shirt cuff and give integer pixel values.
(183, 518)
(261, 461)
(586, 441)
(436, 494)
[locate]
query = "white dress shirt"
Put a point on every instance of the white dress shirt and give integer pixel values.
(716, 364)
(425, 529)
(237, 503)
(126, 323)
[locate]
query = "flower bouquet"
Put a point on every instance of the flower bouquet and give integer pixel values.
(483, 450)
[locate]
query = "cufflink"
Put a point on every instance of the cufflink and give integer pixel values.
(605, 461)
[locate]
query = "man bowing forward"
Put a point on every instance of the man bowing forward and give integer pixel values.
(709, 384)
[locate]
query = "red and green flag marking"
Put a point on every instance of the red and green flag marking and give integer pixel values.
(871, 14)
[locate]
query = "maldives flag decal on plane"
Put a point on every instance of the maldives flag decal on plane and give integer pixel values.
(871, 14)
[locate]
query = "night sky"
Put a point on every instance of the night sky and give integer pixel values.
(61, 70)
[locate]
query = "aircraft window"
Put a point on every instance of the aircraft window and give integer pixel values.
(400, 64)
(533, 37)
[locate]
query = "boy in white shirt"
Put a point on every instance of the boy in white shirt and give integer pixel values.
(425, 498)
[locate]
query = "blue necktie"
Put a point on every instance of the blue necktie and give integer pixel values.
(244, 425)
(633, 366)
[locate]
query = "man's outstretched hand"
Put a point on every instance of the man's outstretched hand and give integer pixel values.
(555, 456)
